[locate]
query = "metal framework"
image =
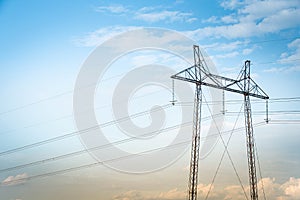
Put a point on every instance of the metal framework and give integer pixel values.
(199, 74)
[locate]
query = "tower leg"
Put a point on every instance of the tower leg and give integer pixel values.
(193, 179)
(249, 134)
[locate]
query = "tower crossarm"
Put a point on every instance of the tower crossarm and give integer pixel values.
(220, 82)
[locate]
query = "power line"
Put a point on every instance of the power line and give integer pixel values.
(290, 99)
(103, 162)
(285, 112)
(90, 165)
(284, 121)
(273, 100)
(102, 146)
(83, 131)
(272, 112)
(76, 153)
(254, 101)
(234, 101)
(74, 133)
(84, 151)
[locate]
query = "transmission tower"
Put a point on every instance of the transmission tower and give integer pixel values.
(199, 74)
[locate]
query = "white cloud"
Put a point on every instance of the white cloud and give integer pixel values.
(99, 36)
(294, 44)
(290, 59)
(117, 9)
(261, 9)
(284, 19)
(289, 190)
(149, 14)
(203, 189)
(130, 195)
(293, 56)
(226, 46)
(234, 192)
(172, 194)
(212, 19)
(229, 19)
(275, 70)
(190, 20)
(227, 55)
(141, 37)
(247, 51)
(271, 188)
(230, 31)
(164, 15)
(253, 18)
(231, 4)
(15, 180)
(283, 69)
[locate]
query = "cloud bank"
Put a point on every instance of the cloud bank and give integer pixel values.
(289, 190)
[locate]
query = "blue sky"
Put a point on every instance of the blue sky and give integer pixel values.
(44, 45)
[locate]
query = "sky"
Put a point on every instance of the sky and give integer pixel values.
(68, 66)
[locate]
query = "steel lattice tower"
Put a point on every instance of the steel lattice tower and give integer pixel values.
(199, 74)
